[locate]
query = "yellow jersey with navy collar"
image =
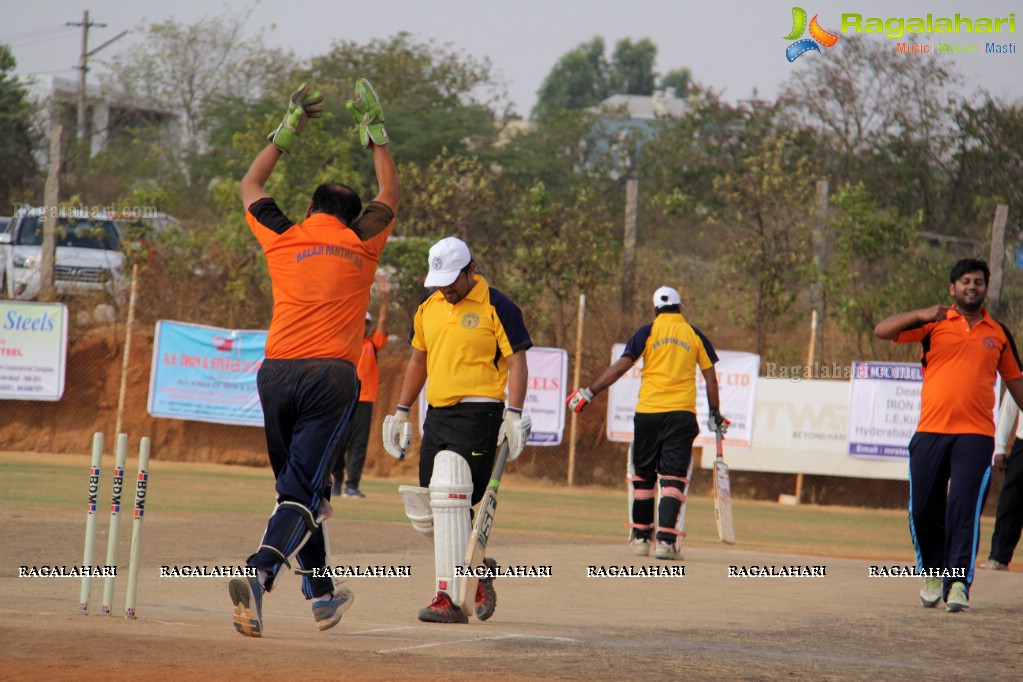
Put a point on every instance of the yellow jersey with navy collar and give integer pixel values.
(671, 349)
(466, 344)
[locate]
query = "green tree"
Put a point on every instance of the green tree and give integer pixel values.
(201, 72)
(579, 80)
(632, 67)
(766, 236)
(434, 97)
(886, 122)
(989, 156)
(19, 174)
(551, 251)
(680, 79)
(583, 77)
(192, 68)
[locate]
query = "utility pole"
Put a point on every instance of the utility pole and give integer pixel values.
(83, 68)
(629, 256)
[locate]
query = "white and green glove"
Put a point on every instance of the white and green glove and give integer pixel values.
(367, 112)
(303, 105)
(515, 428)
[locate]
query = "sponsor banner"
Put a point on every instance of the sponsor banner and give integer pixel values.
(206, 374)
(737, 374)
(545, 395)
(801, 427)
(33, 350)
(884, 402)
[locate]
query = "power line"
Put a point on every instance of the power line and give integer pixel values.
(38, 41)
(32, 34)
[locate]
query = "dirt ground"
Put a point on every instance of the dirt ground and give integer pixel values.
(704, 625)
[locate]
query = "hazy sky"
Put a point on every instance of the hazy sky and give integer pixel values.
(735, 47)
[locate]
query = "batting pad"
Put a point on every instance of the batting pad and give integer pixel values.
(417, 507)
(450, 499)
(674, 490)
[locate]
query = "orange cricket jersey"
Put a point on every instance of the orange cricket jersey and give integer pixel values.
(367, 369)
(321, 272)
(959, 366)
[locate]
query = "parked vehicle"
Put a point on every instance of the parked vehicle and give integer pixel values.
(5, 224)
(89, 254)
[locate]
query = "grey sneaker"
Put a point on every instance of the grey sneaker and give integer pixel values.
(640, 546)
(247, 595)
(486, 596)
(958, 599)
(930, 592)
(995, 565)
(327, 610)
(665, 550)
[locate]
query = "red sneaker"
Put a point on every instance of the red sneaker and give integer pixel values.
(442, 610)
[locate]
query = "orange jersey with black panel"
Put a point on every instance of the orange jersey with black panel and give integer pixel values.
(466, 344)
(368, 373)
(671, 349)
(959, 367)
(321, 271)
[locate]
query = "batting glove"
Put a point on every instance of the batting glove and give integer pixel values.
(716, 422)
(579, 399)
(366, 110)
(515, 429)
(397, 433)
(303, 105)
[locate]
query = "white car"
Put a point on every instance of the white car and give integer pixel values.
(89, 256)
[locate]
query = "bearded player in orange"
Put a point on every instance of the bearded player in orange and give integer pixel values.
(321, 270)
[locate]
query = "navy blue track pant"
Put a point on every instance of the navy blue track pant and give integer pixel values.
(949, 475)
(306, 406)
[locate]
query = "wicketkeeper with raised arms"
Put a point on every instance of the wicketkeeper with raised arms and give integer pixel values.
(469, 339)
(321, 271)
(665, 424)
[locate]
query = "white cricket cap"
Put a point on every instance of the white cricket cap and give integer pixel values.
(447, 258)
(666, 296)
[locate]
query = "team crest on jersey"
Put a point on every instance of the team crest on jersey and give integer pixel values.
(991, 343)
(470, 320)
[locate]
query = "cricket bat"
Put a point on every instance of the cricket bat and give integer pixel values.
(723, 496)
(476, 550)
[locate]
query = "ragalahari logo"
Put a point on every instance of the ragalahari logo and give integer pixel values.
(818, 36)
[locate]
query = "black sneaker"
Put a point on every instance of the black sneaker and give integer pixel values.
(442, 610)
(486, 597)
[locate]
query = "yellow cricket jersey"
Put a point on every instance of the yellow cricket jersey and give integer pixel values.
(671, 349)
(466, 344)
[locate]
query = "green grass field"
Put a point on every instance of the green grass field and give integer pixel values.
(58, 482)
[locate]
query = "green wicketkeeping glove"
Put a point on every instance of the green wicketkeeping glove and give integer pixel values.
(302, 107)
(367, 112)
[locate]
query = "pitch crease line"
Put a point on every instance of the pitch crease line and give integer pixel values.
(429, 645)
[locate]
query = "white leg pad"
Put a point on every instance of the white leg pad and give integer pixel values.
(450, 500)
(417, 508)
